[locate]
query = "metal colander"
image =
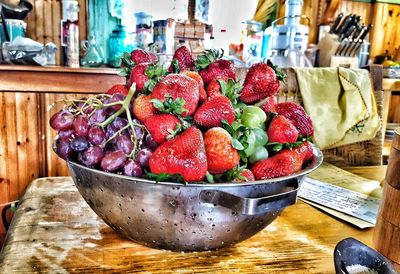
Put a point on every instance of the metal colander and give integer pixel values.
(191, 217)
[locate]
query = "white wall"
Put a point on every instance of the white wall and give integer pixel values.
(228, 15)
(225, 15)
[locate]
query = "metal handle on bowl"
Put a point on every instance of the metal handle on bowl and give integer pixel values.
(251, 206)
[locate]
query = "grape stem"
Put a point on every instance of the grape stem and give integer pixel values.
(124, 107)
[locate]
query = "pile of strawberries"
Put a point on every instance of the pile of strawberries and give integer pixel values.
(210, 127)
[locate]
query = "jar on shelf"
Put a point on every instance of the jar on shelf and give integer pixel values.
(93, 56)
(144, 29)
(118, 43)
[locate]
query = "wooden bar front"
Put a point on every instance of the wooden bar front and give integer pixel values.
(25, 136)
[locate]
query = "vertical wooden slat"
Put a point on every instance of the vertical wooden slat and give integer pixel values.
(4, 180)
(56, 15)
(11, 135)
(27, 121)
(39, 23)
(31, 23)
(47, 22)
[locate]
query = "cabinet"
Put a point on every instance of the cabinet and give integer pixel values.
(25, 134)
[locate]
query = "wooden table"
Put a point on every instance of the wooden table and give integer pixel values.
(55, 231)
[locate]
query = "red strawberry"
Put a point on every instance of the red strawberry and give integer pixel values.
(245, 176)
(214, 87)
(221, 156)
(184, 154)
(143, 108)
(178, 86)
(281, 130)
(138, 76)
(305, 150)
(213, 111)
(297, 115)
(184, 58)
(262, 80)
(268, 104)
(140, 56)
(196, 76)
(284, 163)
(211, 66)
(161, 126)
(118, 89)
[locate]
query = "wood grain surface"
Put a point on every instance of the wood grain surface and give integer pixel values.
(54, 231)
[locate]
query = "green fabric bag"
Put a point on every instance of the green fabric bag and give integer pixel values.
(341, 104)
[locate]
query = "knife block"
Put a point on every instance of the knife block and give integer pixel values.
(386, 237)
(327, 47)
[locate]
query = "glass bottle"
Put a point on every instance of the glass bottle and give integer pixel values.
(93, 56)
(118, 43)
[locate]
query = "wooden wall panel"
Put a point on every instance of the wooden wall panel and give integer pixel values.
(44, 23)
(386, 34)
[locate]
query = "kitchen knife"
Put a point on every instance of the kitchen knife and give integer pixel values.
(343, 23)
(348, 32)
(355, 36)
(336, 23)
(360, 40)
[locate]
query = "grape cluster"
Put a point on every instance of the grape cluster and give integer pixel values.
(99, 132)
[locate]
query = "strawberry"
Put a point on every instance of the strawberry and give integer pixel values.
(140, 56)
(162, 126)
(221, 156)
(281, 130)
(245, 176)
(214, 87)
(305, 150)
(297, 115)
(210, 66)
(268, 104)
(284, 163)
(178, 86)
(122, 89)
(184, 154)
(184, 60)
(138, 76)
(213, 111)
(143, 108)
(196, 76)
(262, 80)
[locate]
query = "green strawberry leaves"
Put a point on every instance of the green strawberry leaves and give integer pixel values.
(175, 66)
(209, 56)
(170, 105)
(164, 177)
(155, 74)
(126, 65)
(228, 176)
(279, 73)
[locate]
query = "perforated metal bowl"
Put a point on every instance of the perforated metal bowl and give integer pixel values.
(190, 217)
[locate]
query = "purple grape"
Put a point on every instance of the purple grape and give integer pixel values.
(138, 132)
(117, 97)
(66, 134)
(81, 126)
(143, 157)
(124, 143)
(150, 142)
(110, 131)
(120, 123)
(113, 161)
(63, 148)
(132, 168)
(109, 110)
(62, 120)
(79, 144)
(96, 135)
(92, 156)
(98, 117)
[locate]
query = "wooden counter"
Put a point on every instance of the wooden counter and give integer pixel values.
(55, 231)
(25, 137)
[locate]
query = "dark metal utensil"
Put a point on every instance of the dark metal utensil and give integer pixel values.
(336, 23)
(350, 253)
(346, 23)
(360, 40)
